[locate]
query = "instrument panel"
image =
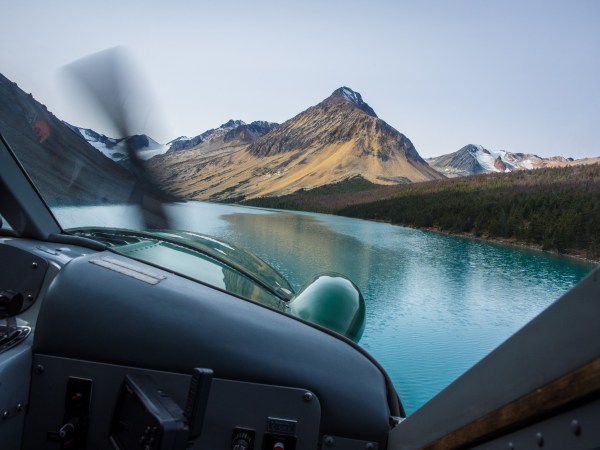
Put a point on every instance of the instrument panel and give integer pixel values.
(269, 414)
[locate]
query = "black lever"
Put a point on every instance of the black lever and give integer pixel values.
(197, 400)
(11, 303)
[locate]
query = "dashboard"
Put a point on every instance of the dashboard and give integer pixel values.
(125, 355)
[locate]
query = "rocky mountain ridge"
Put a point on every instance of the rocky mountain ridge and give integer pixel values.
(229, 131)
(116, 148)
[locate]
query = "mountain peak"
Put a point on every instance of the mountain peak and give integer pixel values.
(232, 123)
(474, 148)
(352, 97)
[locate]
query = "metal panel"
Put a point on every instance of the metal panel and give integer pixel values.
(231, 404)
(15, 367)
(22, 272)
(336, 442)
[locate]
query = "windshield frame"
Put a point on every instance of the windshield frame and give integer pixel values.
(21, 204)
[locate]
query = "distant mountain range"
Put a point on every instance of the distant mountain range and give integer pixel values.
(233, 135)
(475, 159)
(338, 139)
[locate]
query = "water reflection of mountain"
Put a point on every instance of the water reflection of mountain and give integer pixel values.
(300, 247)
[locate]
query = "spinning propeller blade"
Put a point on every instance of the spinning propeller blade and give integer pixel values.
(112, 84)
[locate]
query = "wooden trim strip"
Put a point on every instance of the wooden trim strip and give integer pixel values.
(543, 402)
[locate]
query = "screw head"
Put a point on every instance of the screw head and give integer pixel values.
(34, 265)
(5, 414)
(308, 396)
(329, 441)
(539, 439)
(39, 369)
(369, 446)
(575, 427)
(19, 406)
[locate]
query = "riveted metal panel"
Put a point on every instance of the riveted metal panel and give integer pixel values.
(232, 404)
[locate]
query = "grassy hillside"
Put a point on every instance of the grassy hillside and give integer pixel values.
(554, 209)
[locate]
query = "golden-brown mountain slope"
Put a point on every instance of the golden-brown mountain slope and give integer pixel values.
(337, 139)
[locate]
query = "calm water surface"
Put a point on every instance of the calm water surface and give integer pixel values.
(435, 304)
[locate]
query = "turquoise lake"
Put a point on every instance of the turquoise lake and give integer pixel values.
(436, 304)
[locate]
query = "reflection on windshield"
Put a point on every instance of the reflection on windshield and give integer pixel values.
(3, 224)
(65, 168)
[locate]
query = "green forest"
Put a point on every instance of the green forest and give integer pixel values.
(553, 209)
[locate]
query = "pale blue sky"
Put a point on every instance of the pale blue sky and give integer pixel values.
(517, 75)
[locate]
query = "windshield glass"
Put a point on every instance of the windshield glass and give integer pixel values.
(456, 296)
(64, 167)
(75, 179)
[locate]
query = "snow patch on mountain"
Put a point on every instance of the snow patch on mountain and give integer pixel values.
(490, 160)
(487, 158)
(354, 98)
(351, 96)
(117, 149)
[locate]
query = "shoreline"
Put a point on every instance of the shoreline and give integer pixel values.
(503, 241)
(509, 242)
(575, 255)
